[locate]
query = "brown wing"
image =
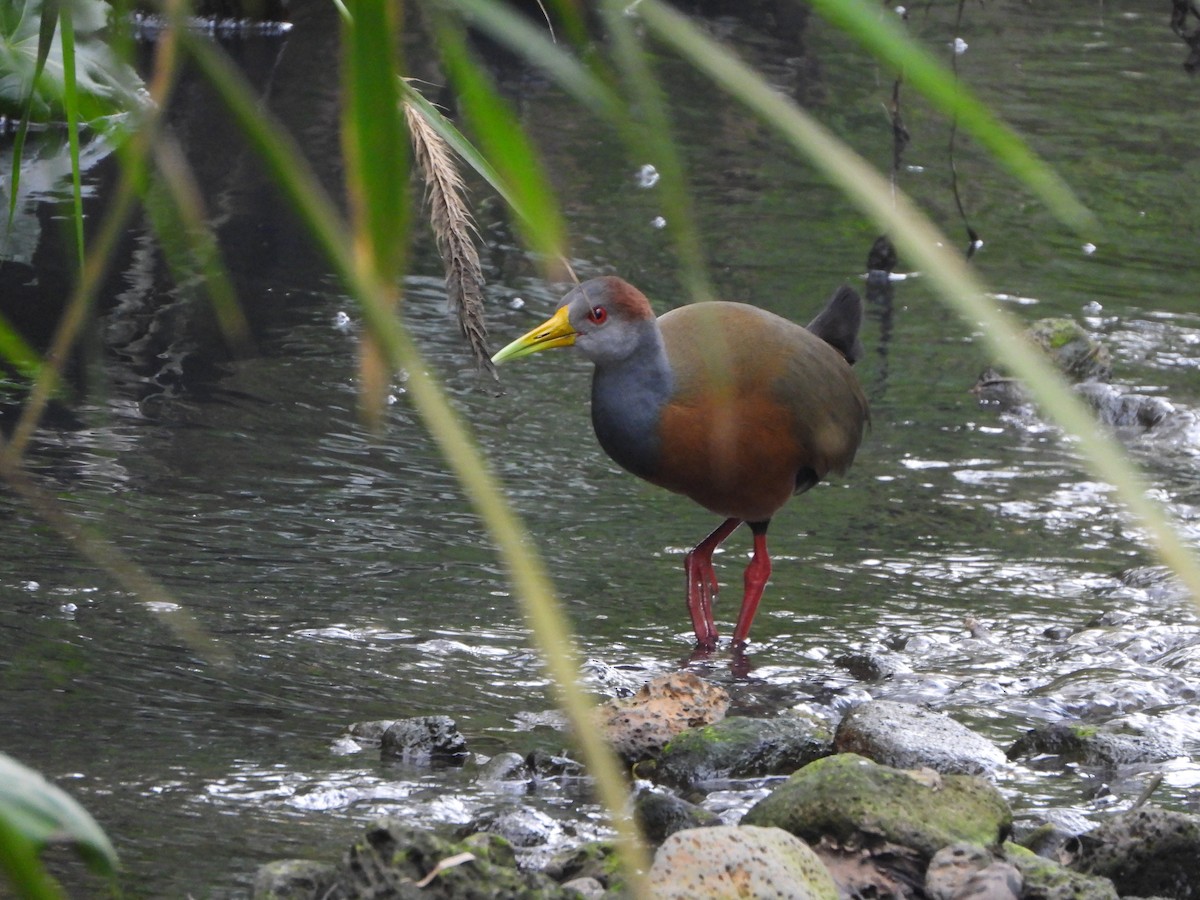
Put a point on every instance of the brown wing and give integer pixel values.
(761, 407)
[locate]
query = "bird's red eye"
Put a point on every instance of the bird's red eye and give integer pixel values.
(597, 315)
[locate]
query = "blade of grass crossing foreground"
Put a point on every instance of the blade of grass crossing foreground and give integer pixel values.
(921, 242)
(15, 350)
(377, 173)
(533, 43)
(47, 25)
(649, 134)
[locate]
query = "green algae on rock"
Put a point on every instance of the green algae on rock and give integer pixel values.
(855, 801)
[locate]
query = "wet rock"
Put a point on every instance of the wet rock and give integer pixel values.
(396, 860)
(369, 734)
(293, 879)
(1044, 831)
(731, 861)
(595, 860)
(740, 747)
(1123, 410)
(968, 872)
(908, 737)
(553, 765)
(1090, 746)
(424, 740)
(1046, 879)
(872, 666)
(1078, 355)
(522, 827)
(585, 887)
(1144, 852)
(856, 802)
(994, 388)
(505, 767)
(640, 726)
(660, 815)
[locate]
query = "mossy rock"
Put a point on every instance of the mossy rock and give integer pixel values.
(294, 879)
(852, 800)
(741, 747)
(1045, 879)
(1145, 852)
(1078, 355)
(1075, 742)
(661, 815)
(393, 857)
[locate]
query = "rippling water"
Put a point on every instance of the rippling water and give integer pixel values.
(347, 578)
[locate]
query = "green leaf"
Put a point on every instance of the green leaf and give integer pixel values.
(15, 350)
(36, 813)
(376, 146)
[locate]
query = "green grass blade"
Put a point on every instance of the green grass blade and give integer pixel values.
(21, 863)
(877, 29)
(176, 209)
(49, 21)
(279, 152)
(71, 107)
(649, 134)
(505, 143)
(377, 175)
(16, 351)
(960, 289)
(374, 140)
(533, 43)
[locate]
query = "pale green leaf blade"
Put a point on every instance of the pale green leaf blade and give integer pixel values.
(41, 813)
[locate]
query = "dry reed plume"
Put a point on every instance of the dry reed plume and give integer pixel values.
(453, 228)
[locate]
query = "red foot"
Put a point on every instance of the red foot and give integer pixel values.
(755, 580)
(702, 584)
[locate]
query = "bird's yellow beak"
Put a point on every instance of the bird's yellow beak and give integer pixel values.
(554, 332)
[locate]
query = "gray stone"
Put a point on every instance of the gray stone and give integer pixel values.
(1092, 746)
(967, 872)
(423, 740)
(736, 862)
(293, 879)
(1145, 852)
(661, 815)
(905, 736)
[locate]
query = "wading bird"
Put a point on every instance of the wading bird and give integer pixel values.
(730, 405)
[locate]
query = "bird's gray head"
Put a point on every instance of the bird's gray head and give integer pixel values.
(610, 317)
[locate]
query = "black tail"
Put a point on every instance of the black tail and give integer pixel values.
(838, 323)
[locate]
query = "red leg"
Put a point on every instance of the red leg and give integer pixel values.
(755, 578)
(702, 583)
